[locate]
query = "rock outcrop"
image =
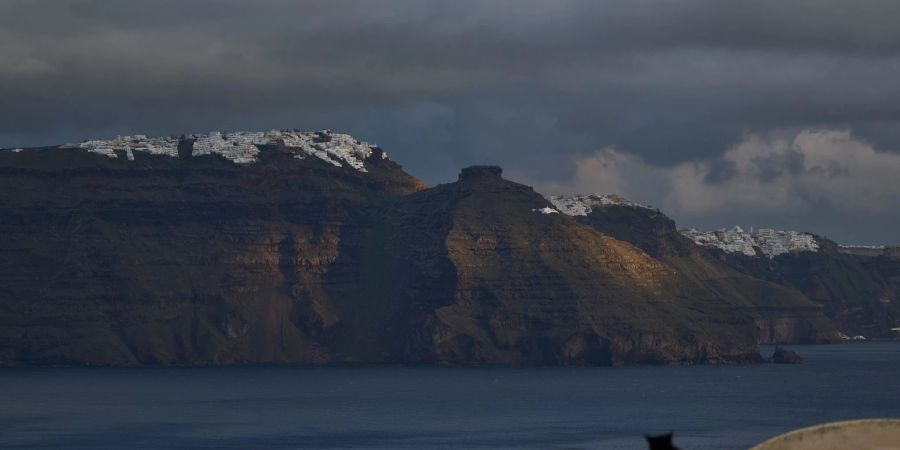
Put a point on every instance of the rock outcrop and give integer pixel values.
(785, 356)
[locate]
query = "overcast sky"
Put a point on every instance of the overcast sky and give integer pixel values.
(764, 113)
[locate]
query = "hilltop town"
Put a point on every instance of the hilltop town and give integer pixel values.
(582, 205)
(764, 241)
(241, 147)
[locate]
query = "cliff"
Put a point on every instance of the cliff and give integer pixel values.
(782, 314)
(315, 248)
(487, 276)
(160, 259)
(859, 292)
(283, 247)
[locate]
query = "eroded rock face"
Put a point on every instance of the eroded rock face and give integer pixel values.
(794, 325)
(194, 259)
(475, 173)
(178, 260)
(781, 314)
(487, 280)
(860, 293)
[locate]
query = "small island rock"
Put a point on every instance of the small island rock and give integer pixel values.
(785, 356)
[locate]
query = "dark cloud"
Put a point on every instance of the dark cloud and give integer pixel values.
(825, 182)
(528, 84)
(720, 170)
(773, 166)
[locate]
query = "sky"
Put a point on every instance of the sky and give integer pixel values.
(759, 113)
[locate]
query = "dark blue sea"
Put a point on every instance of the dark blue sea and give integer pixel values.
(708, 407)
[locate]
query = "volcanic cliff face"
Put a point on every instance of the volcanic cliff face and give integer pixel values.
(489, 273)
(161, 259)
(859, 292)
(315, 248)
(782, 314)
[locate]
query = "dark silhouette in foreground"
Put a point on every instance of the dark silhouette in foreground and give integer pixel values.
(661, 442)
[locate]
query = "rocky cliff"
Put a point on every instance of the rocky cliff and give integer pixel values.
(782, 314)
(314, 248)
(157, 259)
(859, 292)
(489, 276)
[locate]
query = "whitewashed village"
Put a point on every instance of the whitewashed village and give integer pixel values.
(582, 205)
(763, 241)
(241, 147)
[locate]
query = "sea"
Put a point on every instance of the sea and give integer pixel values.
(403, 407)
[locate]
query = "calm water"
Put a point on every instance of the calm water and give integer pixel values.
(414, 407)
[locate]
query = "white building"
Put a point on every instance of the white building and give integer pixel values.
(765, 241)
